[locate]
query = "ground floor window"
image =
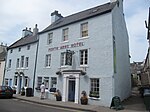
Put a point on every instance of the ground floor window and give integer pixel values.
(15, 80)
(94, 87)
(6, 82)
(39, 82)
(53, 84)
(46, 82)
(26, 81)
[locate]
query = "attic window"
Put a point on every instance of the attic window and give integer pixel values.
(95, 10)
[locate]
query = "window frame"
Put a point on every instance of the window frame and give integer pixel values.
(84, 57)
(50, 38)
(94, 88)
(9, 63)
(65, 35)
(22, 62)
(17, 63)
(63, 59)
(27, 62)
(84, 30)
(48, 59)
(39, 82)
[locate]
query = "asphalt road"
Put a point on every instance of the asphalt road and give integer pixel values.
(15, 105)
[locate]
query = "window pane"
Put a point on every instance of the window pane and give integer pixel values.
(94, 88)
(84, 29)
(49, 39)
(39, 81)
(65, 34)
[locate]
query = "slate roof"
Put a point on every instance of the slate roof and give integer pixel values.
(24, 41)
(89, 13)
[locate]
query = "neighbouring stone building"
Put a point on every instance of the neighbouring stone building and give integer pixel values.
(3, 53)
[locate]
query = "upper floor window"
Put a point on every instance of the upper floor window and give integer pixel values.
(27, 62)
(19, 49)
(84, 30)
(11, 51)
(9, 63)
(94, 90)
(65, 34)
(63, 59)
(17, 64)
(48, 60)
(84, 57)
(28, 47)
(49, 39)
(22, 61)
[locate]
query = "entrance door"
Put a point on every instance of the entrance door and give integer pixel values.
(20, 84)
(71, 90)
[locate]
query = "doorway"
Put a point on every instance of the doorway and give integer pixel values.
(71, 90)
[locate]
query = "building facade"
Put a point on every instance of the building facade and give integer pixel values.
(87, 51)
(21, 60)
(3, 53)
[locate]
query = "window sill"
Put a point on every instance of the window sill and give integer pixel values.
(84, 66)
(47, 67)
(82, 38)
(63, 42)
(93, 98)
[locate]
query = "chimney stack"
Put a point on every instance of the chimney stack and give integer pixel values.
(35, 30)
(55, 16)
(26, 32)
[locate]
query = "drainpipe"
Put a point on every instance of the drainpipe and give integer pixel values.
(35, 64)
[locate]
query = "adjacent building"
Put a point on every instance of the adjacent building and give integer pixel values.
(86, 51)
(146, 71)
(3, 53)
(21, 60)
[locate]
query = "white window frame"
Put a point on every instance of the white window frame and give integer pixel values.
(22, 62)
(65, 35)
(50, 38)
(18, 63)
(84, 57)
(84, 30)
(46, 82)
(63, 59)
(95, 87)
(48, 60)
(27, 62)
(39, 82)
(28, 47)
(9, 63)
(15, 80)
(26, 81)
(6, 82)
(53, 82)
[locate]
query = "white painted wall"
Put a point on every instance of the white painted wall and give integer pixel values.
(10, 72)
(122, 79)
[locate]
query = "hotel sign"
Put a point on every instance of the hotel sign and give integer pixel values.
(77, 44)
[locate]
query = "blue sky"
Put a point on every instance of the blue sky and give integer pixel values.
(15, 15)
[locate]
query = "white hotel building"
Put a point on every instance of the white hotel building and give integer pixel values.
(100, 65)
(100, 62)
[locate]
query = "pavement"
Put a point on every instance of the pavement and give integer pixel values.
(132, 104)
